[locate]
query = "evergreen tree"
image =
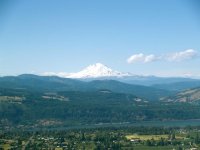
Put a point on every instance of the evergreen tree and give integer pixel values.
(196, 139)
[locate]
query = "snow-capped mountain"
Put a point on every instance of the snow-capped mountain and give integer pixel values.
(97, 70)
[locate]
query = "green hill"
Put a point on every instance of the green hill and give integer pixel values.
(51, 84)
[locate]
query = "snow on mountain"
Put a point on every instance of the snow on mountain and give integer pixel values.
(92, 71)
(97, 70)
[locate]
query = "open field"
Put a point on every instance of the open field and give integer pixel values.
(140, 147)
(12, 99)
(149, 137)
(146, 137)
(6, 147)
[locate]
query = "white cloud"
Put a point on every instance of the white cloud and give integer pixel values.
(141, 58)
(182, 55)
(150, 58)
(177, 56)
(135, 58)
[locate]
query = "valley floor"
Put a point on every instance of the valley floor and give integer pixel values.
(112, 138)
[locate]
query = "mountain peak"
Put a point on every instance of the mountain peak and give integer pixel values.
(99, 65)
(96, 70)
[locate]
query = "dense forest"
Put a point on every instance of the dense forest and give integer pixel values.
(88, 108)
(52, 101)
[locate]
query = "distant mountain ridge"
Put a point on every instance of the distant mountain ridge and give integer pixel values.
(190, 95)
(53, 83)
(100, 71)
(179, 85)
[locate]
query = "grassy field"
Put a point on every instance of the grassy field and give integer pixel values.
(149, 137)
(6, 146)
(11, 99)
(146, 137)
(141, 147)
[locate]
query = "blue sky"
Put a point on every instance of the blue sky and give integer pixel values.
(39, 36)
